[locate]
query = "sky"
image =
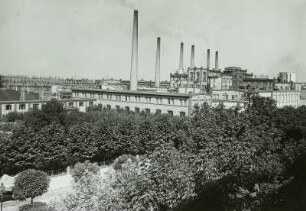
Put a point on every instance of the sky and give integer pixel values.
(92, 38)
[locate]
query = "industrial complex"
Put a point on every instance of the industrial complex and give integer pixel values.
(188, 86)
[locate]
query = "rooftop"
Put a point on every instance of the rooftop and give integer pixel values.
(13, 95)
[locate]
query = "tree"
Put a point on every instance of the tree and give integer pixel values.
(29, 184)
(53, 111)
(91, 191)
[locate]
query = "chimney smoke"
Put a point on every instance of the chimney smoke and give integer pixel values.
(181, 67)
(157, 65)
(208, 59)
(134, 60)
(217, 61)
(192, 56)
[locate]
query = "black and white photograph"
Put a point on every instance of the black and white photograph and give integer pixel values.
(152, 105)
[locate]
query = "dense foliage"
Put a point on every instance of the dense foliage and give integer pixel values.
(218, 159)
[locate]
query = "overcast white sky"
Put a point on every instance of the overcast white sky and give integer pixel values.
(92, 38)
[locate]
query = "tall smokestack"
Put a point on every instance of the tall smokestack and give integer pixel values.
(157, 65)
(181, 67)
(192, 56)
(217, 61)
(134, 60)
(208, 59)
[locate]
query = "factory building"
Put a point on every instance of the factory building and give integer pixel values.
(22, 101)
(189, 86)
(138, 101)
(197, 79)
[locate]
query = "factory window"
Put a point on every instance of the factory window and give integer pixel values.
(126, 98)
(80, 104)
(170, 113)
(35, 106)
(182, 114)
(127, 108)
(137, 110)
(172, 101)
(204, 76)
(158, 111)
(233, 97)
(90, 103)
(191, 76)
(108, 107)
(8, 107)
(147, 110)
(22, 106)
(169, 101)
(117, 108)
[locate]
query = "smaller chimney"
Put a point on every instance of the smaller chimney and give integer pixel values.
(181, 65)
(192, 56)
(208, 59)
(157, 65)
(217, 61)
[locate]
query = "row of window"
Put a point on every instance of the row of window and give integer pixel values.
(20, 107)
(196, 77)
(70, 104)
(226, 96)
(146, 110)
(9, 107)
(136, 98)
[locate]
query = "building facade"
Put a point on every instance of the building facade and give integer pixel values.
(177, 104)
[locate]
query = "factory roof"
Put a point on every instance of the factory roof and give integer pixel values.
(13, 95)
